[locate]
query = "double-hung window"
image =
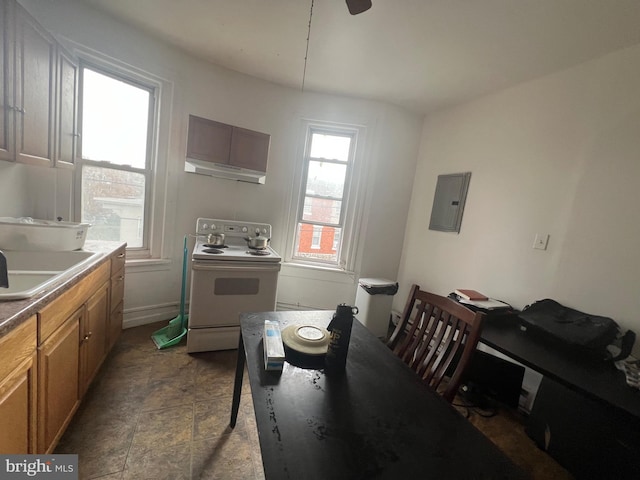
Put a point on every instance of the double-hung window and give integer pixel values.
(115, 167)
(325, 209)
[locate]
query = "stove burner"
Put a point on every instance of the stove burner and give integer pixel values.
(259, 252)
(212, 250)
(211, 245)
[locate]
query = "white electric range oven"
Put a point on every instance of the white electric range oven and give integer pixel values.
(227, 280)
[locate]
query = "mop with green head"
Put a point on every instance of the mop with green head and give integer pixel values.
(173, 333)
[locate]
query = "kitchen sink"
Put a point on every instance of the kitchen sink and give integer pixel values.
(25, 285)
(19, 260)
(31, 273)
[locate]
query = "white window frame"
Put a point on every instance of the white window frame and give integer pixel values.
(156, 169)
(350, 216)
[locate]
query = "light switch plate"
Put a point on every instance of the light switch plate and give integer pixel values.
(541, 241)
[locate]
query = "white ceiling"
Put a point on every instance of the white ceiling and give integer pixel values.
(420, 54)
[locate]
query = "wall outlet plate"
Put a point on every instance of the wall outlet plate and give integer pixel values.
(541, 241)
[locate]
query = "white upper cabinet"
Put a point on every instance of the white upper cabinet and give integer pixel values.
(7, 138)
(66, 108)
(39, 92)
(34, 91)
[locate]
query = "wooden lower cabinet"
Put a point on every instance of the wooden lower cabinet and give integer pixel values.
(58, 373)
(18, 390)
(116, 303)
(115, 323)
(93, 336)
(74, 333)
(48, 361)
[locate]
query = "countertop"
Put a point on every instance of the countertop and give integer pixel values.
(14, 312)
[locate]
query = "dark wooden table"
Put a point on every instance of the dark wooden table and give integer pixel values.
(377, 420)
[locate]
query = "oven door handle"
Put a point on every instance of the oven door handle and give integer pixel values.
(236, 268)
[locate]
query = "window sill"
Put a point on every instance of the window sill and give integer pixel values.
(305, 270)
(148, 264)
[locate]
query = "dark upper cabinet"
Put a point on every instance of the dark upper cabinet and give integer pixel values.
(219, 143)
(208, 141)
(249, 149)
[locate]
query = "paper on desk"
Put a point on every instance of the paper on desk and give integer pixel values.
(490, 304)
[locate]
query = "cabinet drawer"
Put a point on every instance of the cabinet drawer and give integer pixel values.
(54, 314)
(118, 259)
(16, 346)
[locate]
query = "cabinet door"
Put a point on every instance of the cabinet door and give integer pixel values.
(58, 382)
(66, 109)
(34, 91)
(116, 308)
(116, 302)
(16, 406)
(93, 344)
(249, 149)
(208, 140)
(7, 147)
(18, 389)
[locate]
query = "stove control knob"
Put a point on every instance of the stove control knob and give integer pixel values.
(245, 229)
(205, 226)
(213, 226)
(264, 230)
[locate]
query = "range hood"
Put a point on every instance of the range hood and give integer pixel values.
(224, 171)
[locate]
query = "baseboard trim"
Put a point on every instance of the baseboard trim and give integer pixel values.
(137, 316)
(281, 306)
(134, 317)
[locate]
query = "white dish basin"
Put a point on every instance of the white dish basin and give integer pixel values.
(31, 273)
(26, 233)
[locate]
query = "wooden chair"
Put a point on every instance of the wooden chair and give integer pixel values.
(433, 334)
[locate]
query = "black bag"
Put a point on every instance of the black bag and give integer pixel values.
(584, 333)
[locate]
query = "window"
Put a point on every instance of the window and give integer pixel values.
(325, 210)
(115, 168)
(336, 241)
(316, 237)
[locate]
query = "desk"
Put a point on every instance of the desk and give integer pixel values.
(598, 380)
(584, 415)
(377, 420)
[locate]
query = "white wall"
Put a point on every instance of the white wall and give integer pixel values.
(209, 91)
(559, 155)
(13, 190)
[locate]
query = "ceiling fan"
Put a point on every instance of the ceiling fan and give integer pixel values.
(358, 6)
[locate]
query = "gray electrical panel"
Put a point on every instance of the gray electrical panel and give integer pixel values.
(448, 202)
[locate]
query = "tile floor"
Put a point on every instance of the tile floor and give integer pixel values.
(164, 414)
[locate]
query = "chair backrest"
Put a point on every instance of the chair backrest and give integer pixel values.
(433, 334)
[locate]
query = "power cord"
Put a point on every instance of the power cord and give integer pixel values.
(475, 402)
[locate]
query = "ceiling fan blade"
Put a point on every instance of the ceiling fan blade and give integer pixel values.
(358, 6)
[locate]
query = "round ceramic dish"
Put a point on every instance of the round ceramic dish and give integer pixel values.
(306, 339)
